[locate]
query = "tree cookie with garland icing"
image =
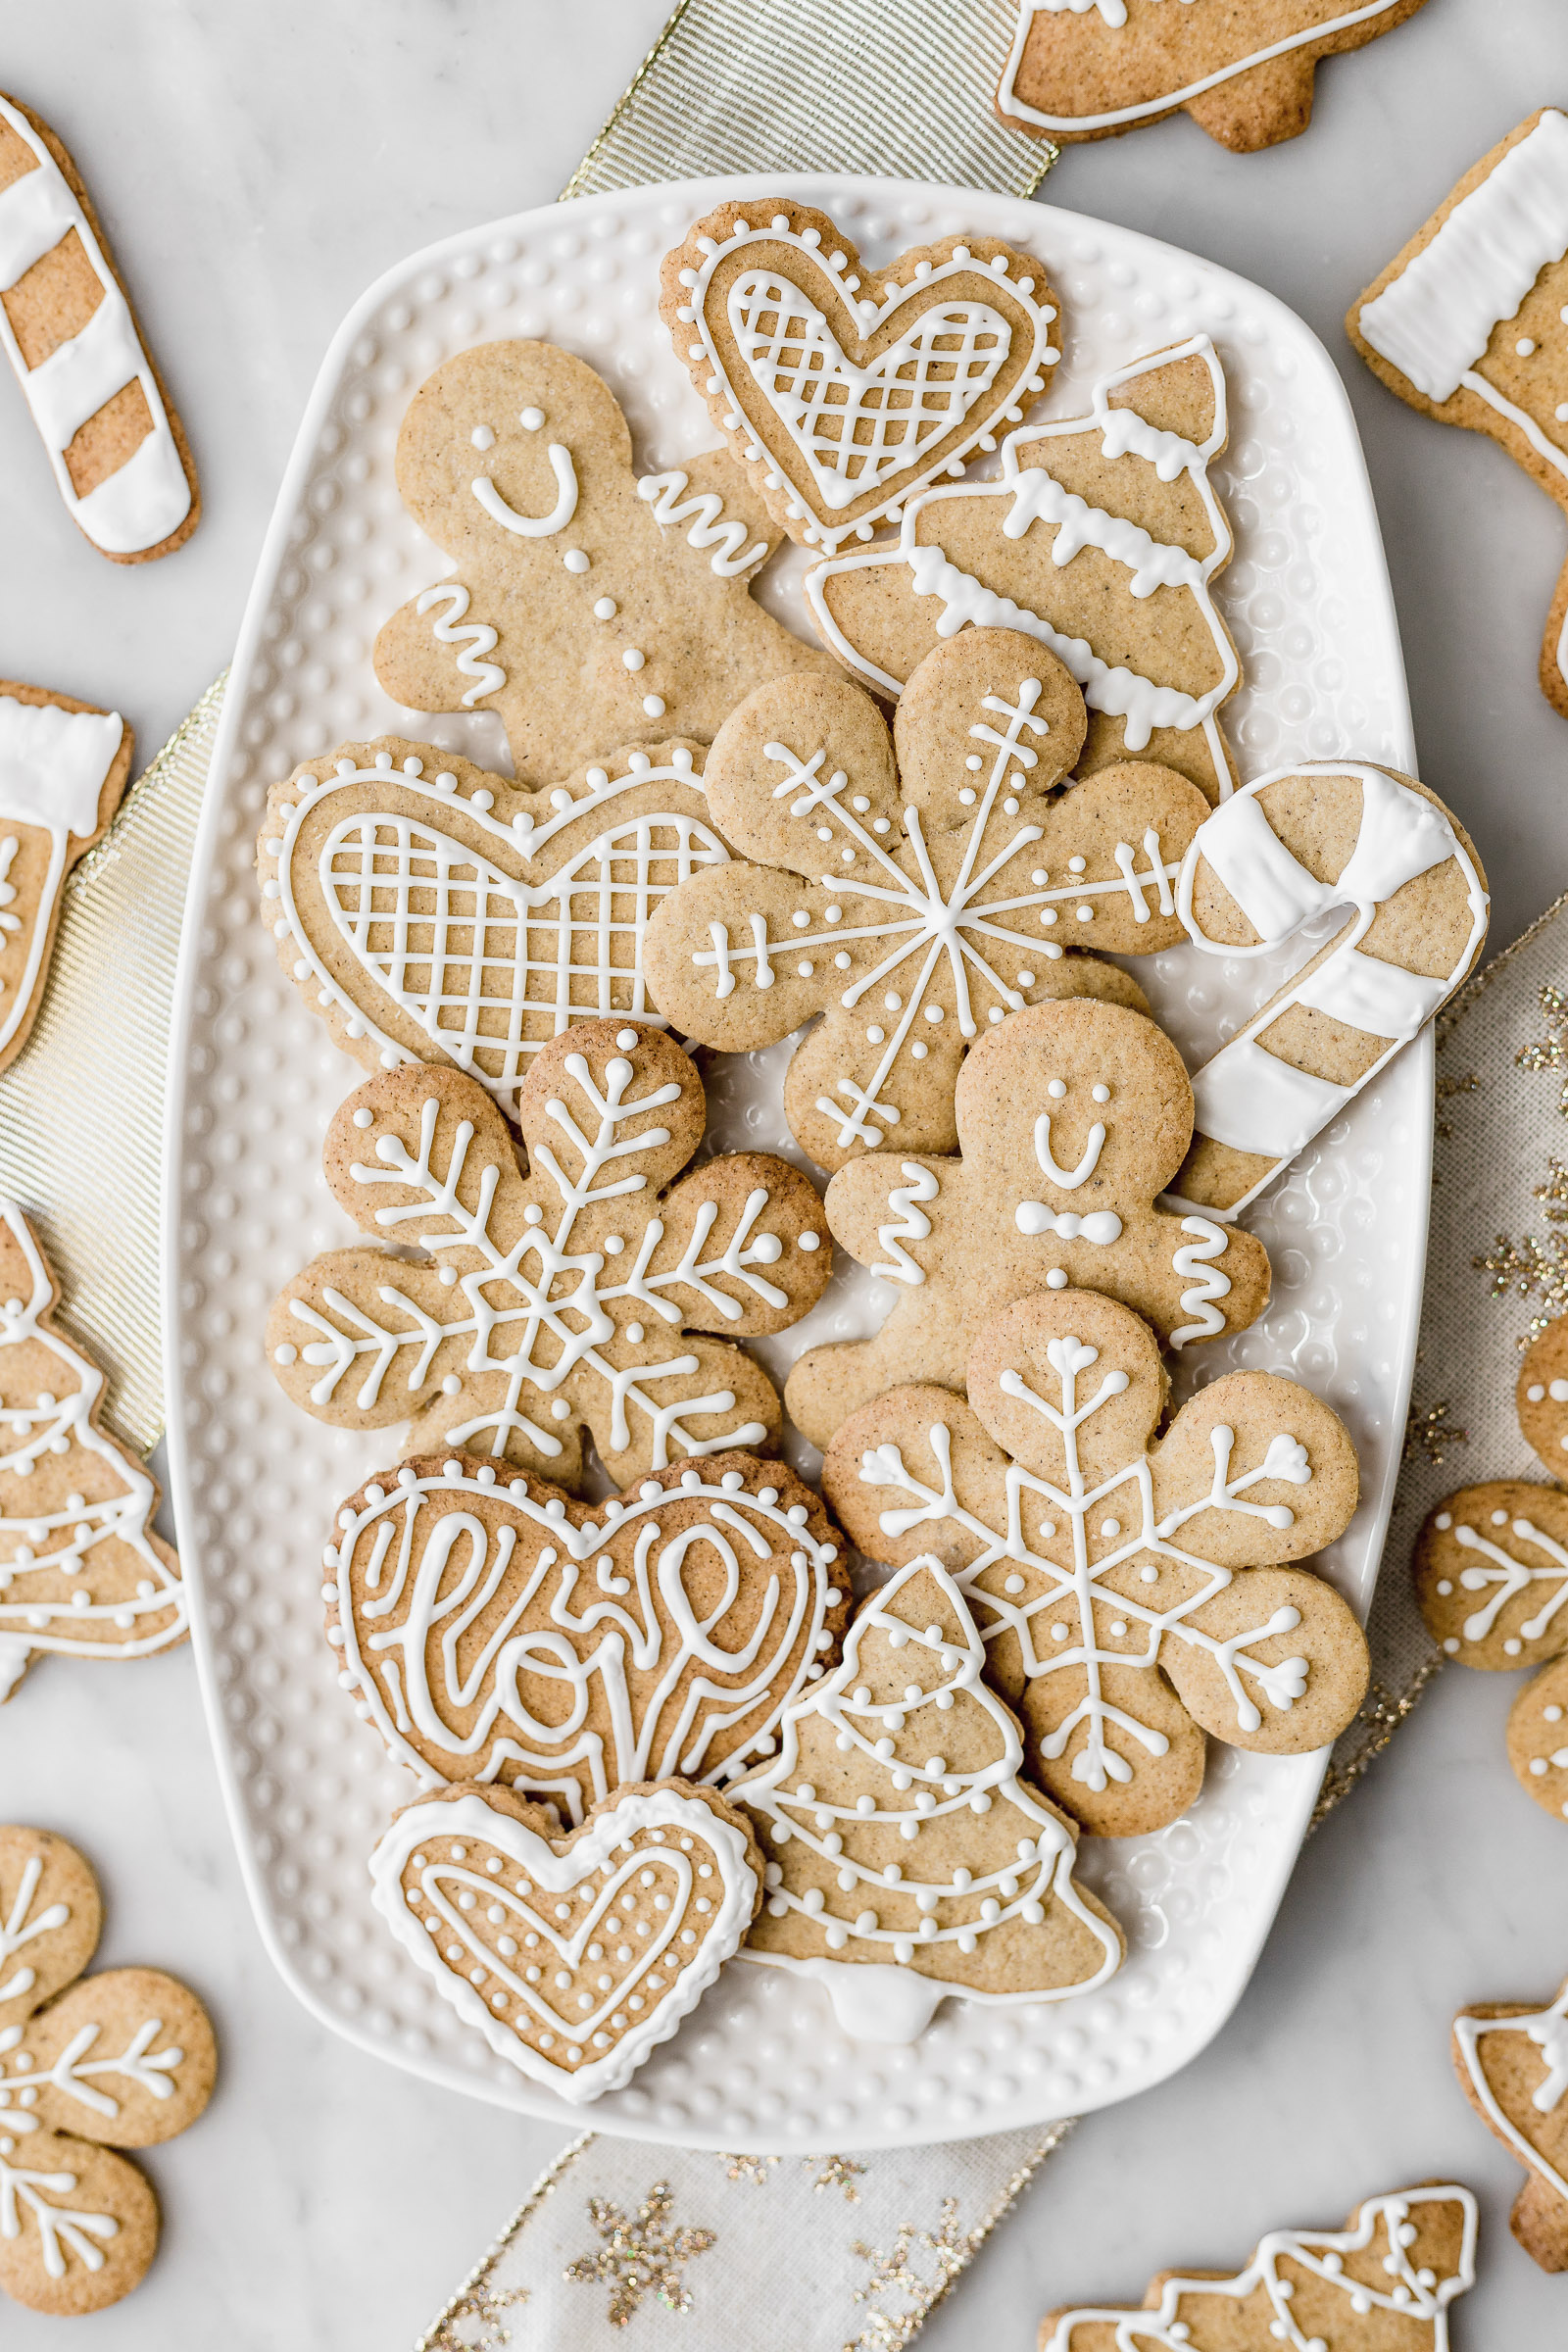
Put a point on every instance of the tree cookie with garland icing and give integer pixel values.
(573, 1955)
(87, 2065)
(588, 605)
(1512, 2063)
(1243, 70)
(913, 900)
(564, 1299)
(1132, 1596)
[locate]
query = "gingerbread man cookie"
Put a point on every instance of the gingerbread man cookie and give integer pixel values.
(1130, 1596)
(584, 610)
(1512, 2062)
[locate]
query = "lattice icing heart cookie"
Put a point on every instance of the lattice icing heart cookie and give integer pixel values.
(846, 389)
(1512, 2061)
(574, 1956)
(1128, 1594)
(562, 1297)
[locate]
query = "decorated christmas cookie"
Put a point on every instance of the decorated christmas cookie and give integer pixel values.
(1468, 322)
(589, 607)
(1099, 537)
(1073, 1119)
(63, 768)
(576, 1955)
(914, 902)
(82, 1572)
(119, 2060)
(906, 1857)
(432, 912)
(1383, 2283)
(559, 1298)
(1128, 1593)
(1512, 2061)
(843, 389)
(117, 448)
(1243, 70)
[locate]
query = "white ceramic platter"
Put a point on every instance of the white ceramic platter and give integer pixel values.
(761, 2064)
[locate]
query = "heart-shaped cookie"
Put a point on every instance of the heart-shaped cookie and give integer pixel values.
(846, 391)
(574, 1956)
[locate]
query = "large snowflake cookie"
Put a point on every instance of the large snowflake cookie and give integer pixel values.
(574, 1956)
(915, 901)
(588, 605)
(561, 1299)
(1512, 2060)
(1132, 1596)
(119, 2060)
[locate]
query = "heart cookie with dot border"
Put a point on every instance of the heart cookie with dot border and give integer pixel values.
(576, 1955)
(1512, 2064)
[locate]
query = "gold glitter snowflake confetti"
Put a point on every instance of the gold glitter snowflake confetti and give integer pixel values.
(1551, 1053)
(485, 2303)
(921, 2286)
(640, 2256)
(836, 2172)
(1429, 1431)
(1446, 1090)
(1533, 1271)
(754, 2168)
(1554, 1193)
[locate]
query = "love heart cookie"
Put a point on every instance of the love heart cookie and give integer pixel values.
(1099, 537)
(114, 443)
(1466, 323)
(1090, 69)
(656, 1636)
(845, 389)
(908, 1858)
(87, 2065)
(432, 912)
(1131, 1595)
(574, 1956)
(82, 1572)
(1072, 1118)
(589, 606)
(562, 1299)
(1512, 2063)
(915, 903)
(1383, 2283)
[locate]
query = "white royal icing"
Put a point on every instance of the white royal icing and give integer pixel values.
(1506, 1579)
(731, 555)
(1548, 2029)
(534, 527)
(19, 1925)
(476, 638)
(79, 2077)
(913, 1225)
(1195, 1264)
(53, 764)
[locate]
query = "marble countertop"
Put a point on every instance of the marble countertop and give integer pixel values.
(257, 167)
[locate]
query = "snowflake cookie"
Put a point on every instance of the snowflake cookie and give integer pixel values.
(913, 904)
(622, 1924)
(1128, 1592)
(588, 605)
(119, 2060)
(558, 1298)
(1512, 2061)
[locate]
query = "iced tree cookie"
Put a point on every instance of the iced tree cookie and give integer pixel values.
(916, 898)
(561, 1299)
(589, 607)
(1132, 1596)
(1512, 2062)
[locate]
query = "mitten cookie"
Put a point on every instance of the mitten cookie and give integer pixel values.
(558, 1298)
(1099, 538)
(1512, 2062)
(1090, 69)
(117, 448)
(1127, 1593)
(1073, 1119)
(122, 2060)
(1466, 323)
(584, 610)
(908, 1859)
(574, 1956)
(82, 1572)
(916, 903)
(844, 389)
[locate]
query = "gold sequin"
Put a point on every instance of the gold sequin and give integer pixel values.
(640, 2256)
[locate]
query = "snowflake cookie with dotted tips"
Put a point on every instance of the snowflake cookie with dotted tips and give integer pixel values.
(913, 902)
(119, 2060)
(82, 1572)
(558, 1298)
(846, 389)
(1072, 1118)
(1467, 324)
(588, 605)
(907, 1858)
(1512, 2062)
(1099, 537)
(432, 912)
(574, 1956)
(1090, 69)
(1383, 2283)
(1132, 1597)
(656, 1635)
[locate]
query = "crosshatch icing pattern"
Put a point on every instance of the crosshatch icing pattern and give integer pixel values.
(310, 1788)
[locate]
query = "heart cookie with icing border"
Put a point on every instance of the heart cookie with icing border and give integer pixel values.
(574, 1956)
